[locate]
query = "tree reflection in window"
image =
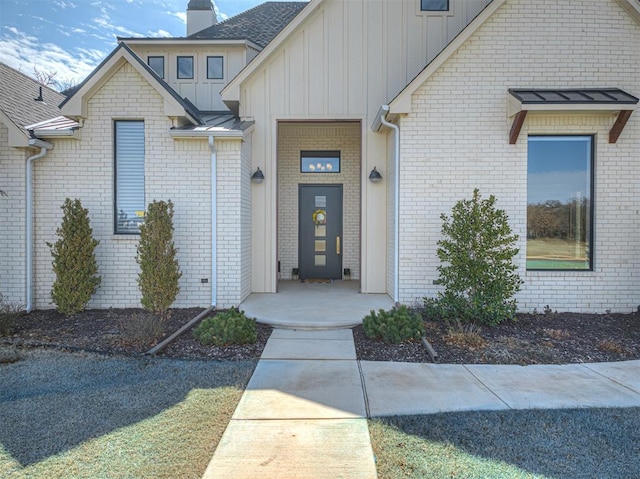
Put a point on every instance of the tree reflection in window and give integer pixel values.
(559, 206)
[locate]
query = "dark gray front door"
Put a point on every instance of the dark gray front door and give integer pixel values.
(320, 232)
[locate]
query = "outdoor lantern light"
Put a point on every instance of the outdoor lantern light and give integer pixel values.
(258, 176)
(375, 176)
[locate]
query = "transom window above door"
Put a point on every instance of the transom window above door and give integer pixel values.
(434, 5)
(320, 161)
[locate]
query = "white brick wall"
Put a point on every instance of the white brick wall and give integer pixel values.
(456, 139)
(176, 170)
(294, 137)
(12, 220)
(233, 220)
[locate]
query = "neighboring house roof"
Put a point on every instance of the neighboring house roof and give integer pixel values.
(75, 104)
(18, 104)
(260, 24)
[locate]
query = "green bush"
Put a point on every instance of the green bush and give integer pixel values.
(394, 326)
(74, 261)
(477, 270)
(159, 269)
(226, 328)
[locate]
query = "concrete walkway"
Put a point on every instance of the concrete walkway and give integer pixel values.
(303, 414)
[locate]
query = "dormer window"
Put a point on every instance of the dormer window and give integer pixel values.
(185, 68)
(215, 68)
(434, 5)
(157, 65)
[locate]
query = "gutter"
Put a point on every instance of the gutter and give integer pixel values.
(380, 120)
(44, 147)
(214, 221)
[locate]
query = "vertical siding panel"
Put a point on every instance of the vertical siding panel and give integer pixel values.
(394, 37)
(295, 73)
(355, 59)
(316, 55)
(276, 93)
(376, 57)
(336, 65)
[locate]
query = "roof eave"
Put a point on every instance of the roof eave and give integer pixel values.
(181, 41)
(632, 7)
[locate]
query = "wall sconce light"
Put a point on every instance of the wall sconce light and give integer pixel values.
(375, 176)
(258, 176)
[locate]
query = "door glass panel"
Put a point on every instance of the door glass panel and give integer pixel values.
(320, 260)
(321, 246)
(321, 231)
(321, 201)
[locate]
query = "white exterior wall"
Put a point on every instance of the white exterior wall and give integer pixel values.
(233, 219)
(294, 137)
(456, 139)
(342, 63)
(176, 170)
(204, 93)
(12, 220)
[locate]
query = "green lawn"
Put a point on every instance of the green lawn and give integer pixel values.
(552, 253)
(552, 444)
(85, 416)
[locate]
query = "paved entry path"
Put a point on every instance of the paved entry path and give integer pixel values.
(303, 414)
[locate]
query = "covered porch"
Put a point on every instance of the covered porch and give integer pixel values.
(297, 305)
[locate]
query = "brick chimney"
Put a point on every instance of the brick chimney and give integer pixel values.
(201, 14)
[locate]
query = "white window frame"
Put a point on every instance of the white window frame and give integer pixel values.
(129, 172)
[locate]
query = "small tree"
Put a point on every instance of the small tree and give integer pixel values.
(74, 262)
(159, 269)
(478, 272)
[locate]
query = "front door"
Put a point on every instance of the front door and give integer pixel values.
(320, 232)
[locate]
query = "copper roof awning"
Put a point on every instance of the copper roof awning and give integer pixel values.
(522, 101)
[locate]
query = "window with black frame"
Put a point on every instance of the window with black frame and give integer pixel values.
(560, 202)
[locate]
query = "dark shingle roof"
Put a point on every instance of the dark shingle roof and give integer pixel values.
(260, 24)
(17, 98)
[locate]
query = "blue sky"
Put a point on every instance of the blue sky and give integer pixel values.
(71, 37)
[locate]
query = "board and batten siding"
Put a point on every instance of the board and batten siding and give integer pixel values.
(204, 93)
(343, 62)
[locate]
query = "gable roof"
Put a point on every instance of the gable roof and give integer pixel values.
(18, 104)
(260, 24)
(175, 106)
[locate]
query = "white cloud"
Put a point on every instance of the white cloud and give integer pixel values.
(22, 51)
(182, 16)
(64, 4)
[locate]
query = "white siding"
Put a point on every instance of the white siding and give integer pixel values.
(12, 220)
(456, 139)
(176, 170)
(342, 63)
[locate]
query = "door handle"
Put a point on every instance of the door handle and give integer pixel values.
(337, 244)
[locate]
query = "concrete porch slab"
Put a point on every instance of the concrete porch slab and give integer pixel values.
(408, 388)
(553, 387)
(304, 449)
(310, 389)
(327, 334)
(314, 306)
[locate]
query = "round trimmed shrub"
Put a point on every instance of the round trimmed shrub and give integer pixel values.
(395, 326)
(227, 328)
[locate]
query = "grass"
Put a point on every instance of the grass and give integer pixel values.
(86, 416)
(551, 253)
(550, 444)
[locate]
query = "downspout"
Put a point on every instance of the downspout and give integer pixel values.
(214, 221)
(44, 147)
(396, 213)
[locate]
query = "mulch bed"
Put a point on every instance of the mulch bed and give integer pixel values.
(552, 338)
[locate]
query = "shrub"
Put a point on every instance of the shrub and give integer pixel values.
(74, 262)
(477, 269)
(226, 328)
(394, 326)
(9, 312)
(142, 328)
(159, 269)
